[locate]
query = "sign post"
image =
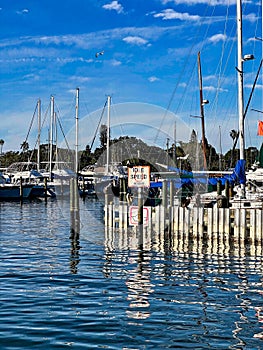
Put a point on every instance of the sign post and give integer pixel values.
(139, 177)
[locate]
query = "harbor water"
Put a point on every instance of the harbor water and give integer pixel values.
(107, 291)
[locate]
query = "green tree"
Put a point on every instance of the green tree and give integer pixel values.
(1, 146)
(103, 136)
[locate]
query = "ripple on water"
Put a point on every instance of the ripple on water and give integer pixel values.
(102, 293)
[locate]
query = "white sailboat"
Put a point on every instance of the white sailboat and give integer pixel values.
(57, 172)
(100, 176)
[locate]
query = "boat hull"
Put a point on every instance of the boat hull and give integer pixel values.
(12, 192)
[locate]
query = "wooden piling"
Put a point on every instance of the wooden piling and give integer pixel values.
(171, 193)
(164, 194)
(21, 190)
(123, 189)
(74, 209)
(45, 188)
(214, 226)
(140, 206)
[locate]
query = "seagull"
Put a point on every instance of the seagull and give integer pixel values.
(99, 54)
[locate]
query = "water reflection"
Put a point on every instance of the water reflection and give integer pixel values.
(138, 268)
(74, 256)
(222, 274)
(166, 242)
(259, 315)
(124, 289)
(139, 287)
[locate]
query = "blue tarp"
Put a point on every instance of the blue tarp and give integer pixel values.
(188, 179)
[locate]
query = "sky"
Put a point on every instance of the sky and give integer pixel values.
(141, 53)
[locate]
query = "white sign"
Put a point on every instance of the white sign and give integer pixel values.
(139, 176)
(133, 215)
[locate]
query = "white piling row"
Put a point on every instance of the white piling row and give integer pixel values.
(216, 224)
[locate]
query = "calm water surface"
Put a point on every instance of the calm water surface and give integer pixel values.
(108, 292)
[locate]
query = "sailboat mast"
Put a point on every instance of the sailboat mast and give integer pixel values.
(220, 148)
(51, 137)
(240, 80)
(240, 87)
(202, 116)
(108, 135)
(77, 131)
(39, 131)
(55, 132)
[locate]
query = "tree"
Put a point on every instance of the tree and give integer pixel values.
(234, 135)
(103, 136)
(24, 146)
(193, 138)
(1, 146)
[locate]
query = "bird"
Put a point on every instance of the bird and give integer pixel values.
(99, 54)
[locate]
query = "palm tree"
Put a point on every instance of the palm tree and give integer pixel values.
(24, 146)
(1, 146)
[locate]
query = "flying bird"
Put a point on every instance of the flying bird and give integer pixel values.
(99, 54)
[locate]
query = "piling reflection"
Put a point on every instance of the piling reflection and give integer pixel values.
(139, 288)
(163, 241)
(74, 256)
(224, 274)
(138, 270)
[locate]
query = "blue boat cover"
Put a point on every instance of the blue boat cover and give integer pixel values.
(187, 178)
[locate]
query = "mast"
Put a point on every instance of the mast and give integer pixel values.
(240, 79)
(39, 131)
(202, 116)
(55, 132)
(220, 147)
(175, 157)
(108, 135)
(77, 131)
(240, 87)
(51, 137)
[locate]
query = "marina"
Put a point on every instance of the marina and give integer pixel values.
(134, 232)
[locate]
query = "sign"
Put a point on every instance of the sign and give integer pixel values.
(133, 215)
(139, 176)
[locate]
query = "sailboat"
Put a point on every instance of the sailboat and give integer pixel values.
(57, 172)
(28, 172)
(99, 177)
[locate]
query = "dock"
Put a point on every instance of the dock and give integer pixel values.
(217, 224)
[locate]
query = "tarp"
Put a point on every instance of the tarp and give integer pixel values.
(188, 179)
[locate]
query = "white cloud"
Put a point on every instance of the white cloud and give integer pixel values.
(217, 37)
(153, 79)
(115, 63)
(24, 11)
(135, 40)
(89, 41)
(171, 14)
(114, 5)
(211, 88)
(182, 85)
(251, 17)
(80, 79)
(194, 2)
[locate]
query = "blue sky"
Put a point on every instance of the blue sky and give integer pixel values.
(149, 59)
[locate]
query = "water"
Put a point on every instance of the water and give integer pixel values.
(104, 292)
